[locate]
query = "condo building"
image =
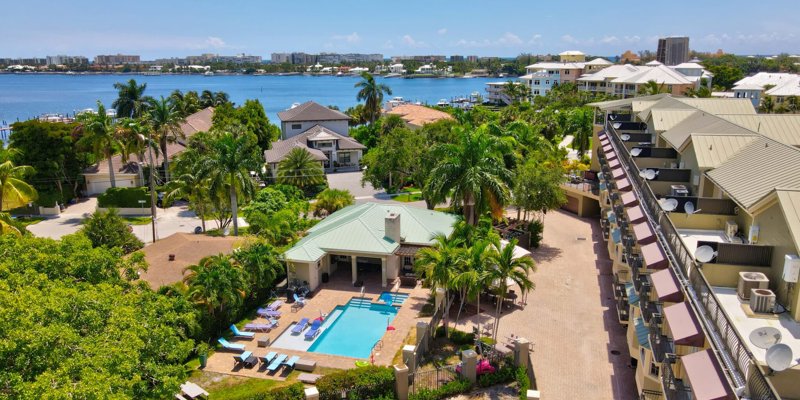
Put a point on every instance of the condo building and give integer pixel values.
(673, 50)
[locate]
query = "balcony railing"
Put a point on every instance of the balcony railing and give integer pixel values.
(660, 344)
(651, 311)
(651, 395)
(739, 363)
(674, 389)
(623, 310)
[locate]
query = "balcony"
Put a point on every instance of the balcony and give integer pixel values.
(651, 395)
(651, 312)
(623, 310)
(660, 344)
(674, 389)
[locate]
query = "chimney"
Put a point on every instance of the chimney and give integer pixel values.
(393, 227)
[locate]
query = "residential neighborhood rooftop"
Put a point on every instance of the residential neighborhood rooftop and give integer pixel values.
(311, 111)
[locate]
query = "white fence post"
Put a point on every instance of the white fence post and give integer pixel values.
(401, 381)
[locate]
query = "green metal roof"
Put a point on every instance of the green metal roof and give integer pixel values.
(361, 229)
(642, 334)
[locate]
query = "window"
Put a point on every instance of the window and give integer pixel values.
(536, 82)
(407, 260)
(653, 369)
(344, 158)
(547, 82)
(566, 72)
(297, 126)
(536, 92)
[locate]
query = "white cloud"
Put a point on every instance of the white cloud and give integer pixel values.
(569, 39)
(632, 39)
(536, 39)
(507, 40)
(609, 40)
(351, 38)
(215, 42)
(442, 31)
(411, 42)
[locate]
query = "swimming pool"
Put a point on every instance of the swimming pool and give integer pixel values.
(393, 298)
(350, 330)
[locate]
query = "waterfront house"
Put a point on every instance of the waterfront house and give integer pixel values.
(365, 239)
(335, 152)
(415, 116)
(699, 210)
(129, 174)
(776, 84)
(571, 56)
(301, 118)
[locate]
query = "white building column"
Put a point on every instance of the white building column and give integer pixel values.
(383, 271)
(354, 268)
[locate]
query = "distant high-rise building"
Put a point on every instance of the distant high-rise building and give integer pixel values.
(673, 50)
(116, 59)
(455, 58)
(281, 58)
(67, 60)
(472, 58)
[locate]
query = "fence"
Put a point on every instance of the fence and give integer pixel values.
(433, 379)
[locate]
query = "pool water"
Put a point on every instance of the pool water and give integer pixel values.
(356, 329)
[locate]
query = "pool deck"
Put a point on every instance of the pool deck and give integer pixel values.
(337, 292)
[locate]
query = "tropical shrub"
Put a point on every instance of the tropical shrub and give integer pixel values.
(332, 200)
(449, 389)
(124, 198)
(360, 383)
(523, 382)
(536, 228)
(294, 391)
(459, 338)
(107, 229)
(507, 372)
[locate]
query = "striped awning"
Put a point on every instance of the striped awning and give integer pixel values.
(642, 333)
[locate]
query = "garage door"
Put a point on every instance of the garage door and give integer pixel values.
(572, 204)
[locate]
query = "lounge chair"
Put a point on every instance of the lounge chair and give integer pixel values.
(265, 360)
(299, 299)
(268, 313)
(230, 346)
(256, 327)
(300, 326)
(275, 305)
(276, 363)
(314, 330)
(290, 362)
(238, 333)
(245, 358)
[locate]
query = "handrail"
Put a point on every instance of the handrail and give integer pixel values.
(739, 363)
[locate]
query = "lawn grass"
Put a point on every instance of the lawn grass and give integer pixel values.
(231, 387)
(243, 230)
(138, 220)
(408, 197)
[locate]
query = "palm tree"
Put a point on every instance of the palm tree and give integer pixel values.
(99, 134)
(509, 268)
(793, 104)
(473, 173)
(213, 99)
(436, 265)
(579, 123)
(192, 188)
(215, 283)
(332, 200)
(186, 103)
(472, 275)
(259, 260)
(14, 191)
(767, 105)
(227, 167)
(7, 225)
(166, 120)
(300, 169)
(372, 94)
(515, 91)
(131, 101)
(652, 88)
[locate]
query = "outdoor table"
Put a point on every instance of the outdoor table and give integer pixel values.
(192, 390)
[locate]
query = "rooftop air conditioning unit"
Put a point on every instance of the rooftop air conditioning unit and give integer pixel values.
(762, 301)
(749, 281)
(678, 190)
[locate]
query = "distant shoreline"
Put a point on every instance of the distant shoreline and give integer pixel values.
(281, 74)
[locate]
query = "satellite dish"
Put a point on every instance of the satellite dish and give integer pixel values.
(704, 254)
(636, 151)
(765, 337)
(650, 174)
(668, 204)
(688, 207)
(779, 357)
(625, 137)
(617, 125)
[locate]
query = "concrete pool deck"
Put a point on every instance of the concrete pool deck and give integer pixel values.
(337, 292)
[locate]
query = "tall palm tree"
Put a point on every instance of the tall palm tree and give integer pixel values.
(213, 99)
(515, 91)
(652, 88)
(7, 225)
(473, 173)
(14, 191)
(372, 94)
(579, 123)
(767, 105)
(165, 120)
(436, 265)
(300, 169)
(99, 134)
(215, 283)
(131, 101)
(227, 167)
(507, 268)
(192, 188)
(471, 277)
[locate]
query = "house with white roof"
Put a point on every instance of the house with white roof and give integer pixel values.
(335, 152)
(777, 84)
(572, 56)
(366, 240)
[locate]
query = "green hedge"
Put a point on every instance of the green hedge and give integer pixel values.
(124, 198)
(361, 383)
(459, 338)
(523, 382)
(507, 372)
(295, 391)
(447, 390)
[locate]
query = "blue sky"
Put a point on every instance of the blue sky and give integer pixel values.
(482, 27)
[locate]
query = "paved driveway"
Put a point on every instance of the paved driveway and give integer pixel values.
(351, 181)
(68, 222)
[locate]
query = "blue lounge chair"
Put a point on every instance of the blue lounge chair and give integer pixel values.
(314, 330)
(268, 313)
(298, 328)
(290, 362)
(230, 346)
(299, 300)
(238, 333)
(256, 327)
(265, 360)
(242, 358)
(276, 363)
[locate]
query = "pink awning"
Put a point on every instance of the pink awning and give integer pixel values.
(613, 163)
(666, 286)
(635, 214)
(609, 152)
(617, 173)
(706, 377)
(629, 199)
(654, 257)
(624, 185)
(683, 325)
(644, 234)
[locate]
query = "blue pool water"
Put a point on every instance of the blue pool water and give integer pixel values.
(360, 324)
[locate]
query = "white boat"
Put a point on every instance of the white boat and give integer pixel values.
(443, 103)
(393, 75)
(208, 73)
